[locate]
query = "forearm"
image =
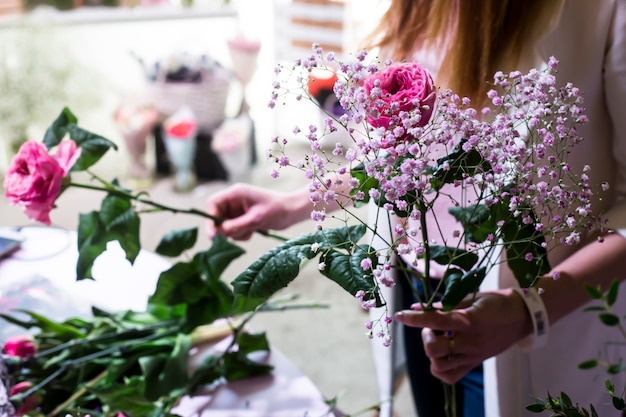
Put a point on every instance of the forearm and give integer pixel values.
(596, 264)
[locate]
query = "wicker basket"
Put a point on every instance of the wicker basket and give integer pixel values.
(207, 98)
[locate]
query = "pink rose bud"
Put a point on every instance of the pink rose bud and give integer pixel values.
(22, 346)
(29, 403)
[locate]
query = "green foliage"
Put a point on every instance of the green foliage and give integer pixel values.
(456, 165)
(459, 285)
(337, 248)
(137, 361)
(561, 406)
(177, 241)
(93, 146)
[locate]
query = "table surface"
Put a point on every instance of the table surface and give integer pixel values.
(42, 275)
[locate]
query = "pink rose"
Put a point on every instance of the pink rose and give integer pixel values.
(33, 180)
(403, 87)
(22, 346)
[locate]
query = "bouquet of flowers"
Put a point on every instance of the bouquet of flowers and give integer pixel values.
(457, 190)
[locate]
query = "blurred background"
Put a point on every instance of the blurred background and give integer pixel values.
(130, 70)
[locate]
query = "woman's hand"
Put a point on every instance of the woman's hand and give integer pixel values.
(459, 340)
(246, 209)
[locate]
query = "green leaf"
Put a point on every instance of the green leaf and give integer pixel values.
(594, 292)
(127, 397)
(611, 295)
(609, 319)
(566, 400)
(177, 241)
(213, 262)
(58, 129)
(538, 407)
(46, 324)
(594, 308)
(93, 147)
(90, 243)
(459, 285)
(182, 283)
(166, 373)
(238, 366)
(252, 342)
(615, 368)
(477, 221)
(270, 273)
(448, 255)
(277, 268)
(341, 237)
(121, 223)
(209, 371)
(345, 270)
(216, 302)
(116, 221)
(198, 285)
(591, 363)
(618, 403)
(457, 165)
(366, 183)
(521, 239)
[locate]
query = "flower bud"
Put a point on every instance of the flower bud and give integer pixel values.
(28, 403)
(22, 346)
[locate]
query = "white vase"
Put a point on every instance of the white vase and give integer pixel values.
(181, 153)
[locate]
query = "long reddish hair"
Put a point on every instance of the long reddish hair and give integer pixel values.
(481, 36)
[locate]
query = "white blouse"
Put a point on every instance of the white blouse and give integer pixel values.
(589, 40)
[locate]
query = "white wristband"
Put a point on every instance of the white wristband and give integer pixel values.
(539, 317)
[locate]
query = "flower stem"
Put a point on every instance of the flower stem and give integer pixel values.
(125, 194)
(78, 361)
(132, 333)
(61, 407)
(119, 192)
(450, 399)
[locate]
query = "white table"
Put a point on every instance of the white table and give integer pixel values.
(42, 273)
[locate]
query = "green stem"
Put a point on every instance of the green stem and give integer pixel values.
(449, 392)
(96, 355)
(425, 277)
(125, 194)
(113, 190)
(81, 391)
(132, 333)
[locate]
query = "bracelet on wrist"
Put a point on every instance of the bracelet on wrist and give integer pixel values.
(539, 318)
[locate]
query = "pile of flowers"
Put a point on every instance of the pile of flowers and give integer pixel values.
(130, 362)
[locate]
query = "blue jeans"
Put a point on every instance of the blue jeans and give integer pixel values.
(427, 390)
